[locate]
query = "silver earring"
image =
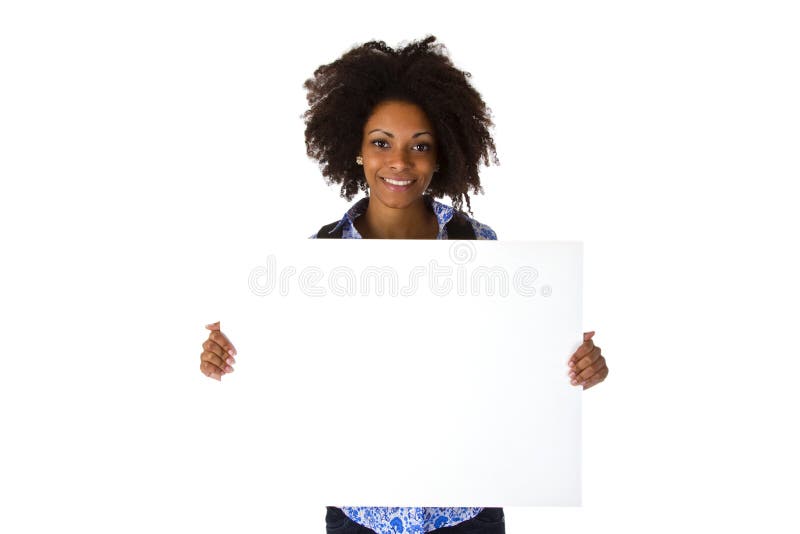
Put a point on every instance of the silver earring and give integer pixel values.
(359, 160)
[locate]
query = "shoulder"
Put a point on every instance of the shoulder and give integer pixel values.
(330, 228)
(445, 213)
(346, 221)
(482, 231)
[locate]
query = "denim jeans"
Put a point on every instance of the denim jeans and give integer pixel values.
(489, 521)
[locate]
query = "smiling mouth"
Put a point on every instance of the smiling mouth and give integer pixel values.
(400, 183)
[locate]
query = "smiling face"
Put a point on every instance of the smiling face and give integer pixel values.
(399, 153)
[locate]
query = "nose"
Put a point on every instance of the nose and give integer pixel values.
(398, 160)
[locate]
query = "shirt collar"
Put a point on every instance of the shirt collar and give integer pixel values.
(443, 213)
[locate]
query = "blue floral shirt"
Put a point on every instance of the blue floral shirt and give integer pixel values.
(443, 213)
(419, 520)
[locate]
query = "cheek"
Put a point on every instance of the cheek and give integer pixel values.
(432, 159)
(370, 170)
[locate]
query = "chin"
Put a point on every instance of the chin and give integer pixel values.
(392, 201)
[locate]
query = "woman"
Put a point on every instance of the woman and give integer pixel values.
(404, 126)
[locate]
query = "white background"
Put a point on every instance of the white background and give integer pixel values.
(138, 139)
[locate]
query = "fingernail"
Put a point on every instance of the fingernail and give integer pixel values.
(230, 361)
(574, 382)
(572, 374)
(229, 369)
(230, 351)
(571, 363)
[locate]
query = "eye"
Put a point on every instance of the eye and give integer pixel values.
(422, 147)
(380, 143)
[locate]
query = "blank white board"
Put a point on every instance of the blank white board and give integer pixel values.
(410, 373)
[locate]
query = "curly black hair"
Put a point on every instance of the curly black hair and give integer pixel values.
(342, 95)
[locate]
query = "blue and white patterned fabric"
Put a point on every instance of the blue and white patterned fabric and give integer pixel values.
(395, 520)
(443, 213)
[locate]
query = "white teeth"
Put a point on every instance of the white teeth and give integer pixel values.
(397, 182)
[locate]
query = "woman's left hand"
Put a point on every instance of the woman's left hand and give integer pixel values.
(587, 365)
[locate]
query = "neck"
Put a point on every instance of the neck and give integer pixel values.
(413, 222)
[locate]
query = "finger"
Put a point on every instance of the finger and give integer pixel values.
(212, 346)
(587, 373)
(223, 341)
(210, 371)
(596, 379)
(591, 370)
(213, 326)
(217, 356)
(587, 360)
(585, 348)
(223, 366)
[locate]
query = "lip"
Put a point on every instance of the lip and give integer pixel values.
(393, 187)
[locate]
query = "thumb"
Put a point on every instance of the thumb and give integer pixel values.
(588, 335)
(213, 326)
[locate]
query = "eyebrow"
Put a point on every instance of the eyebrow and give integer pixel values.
(389, 134)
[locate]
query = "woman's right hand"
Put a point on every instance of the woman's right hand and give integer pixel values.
(218, 352)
